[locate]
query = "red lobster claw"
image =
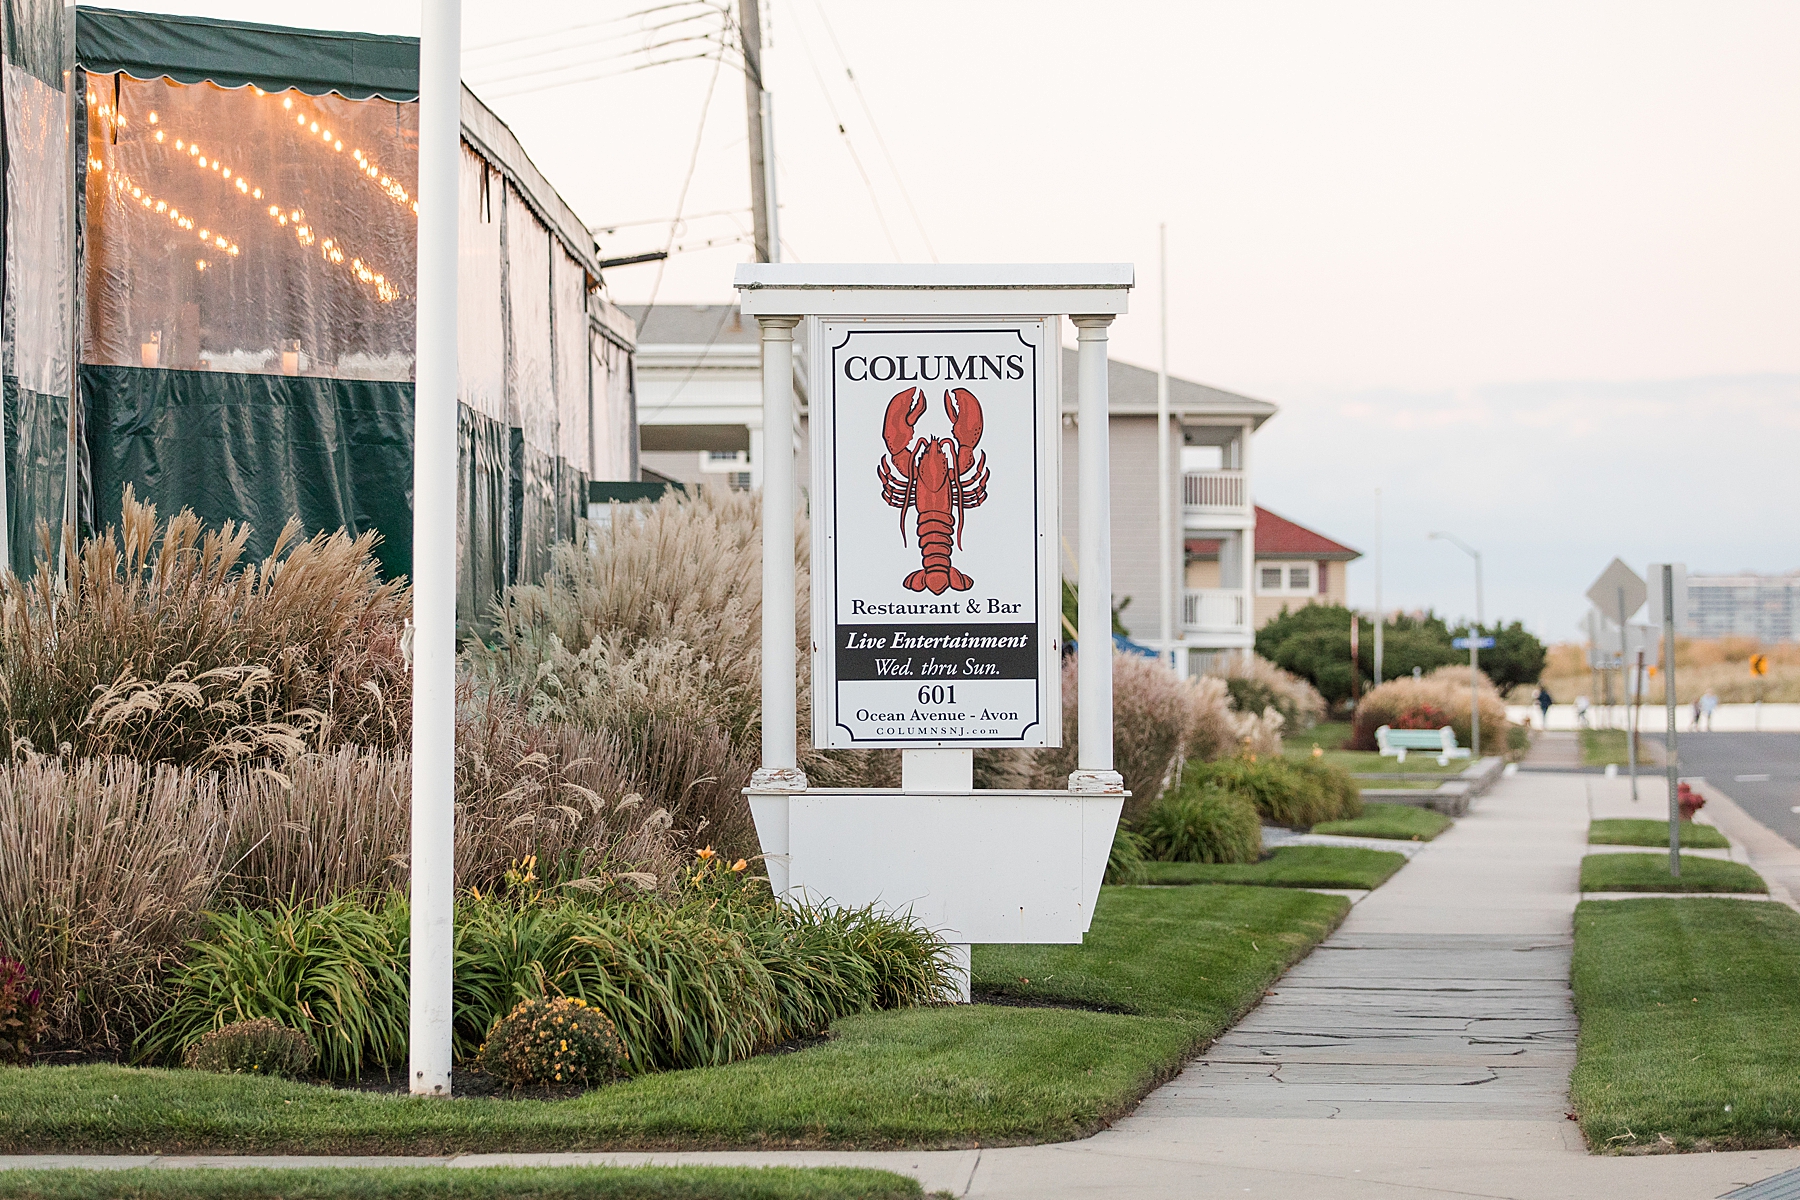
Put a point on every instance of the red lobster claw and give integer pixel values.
(965, 422)
(903, 412)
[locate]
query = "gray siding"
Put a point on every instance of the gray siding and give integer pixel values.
(1136, 564)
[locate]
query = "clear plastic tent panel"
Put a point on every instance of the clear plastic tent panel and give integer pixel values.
(249, 231)
(613, 414)
(528, 294)
(480, 327)
(36, 331)
(573, 398)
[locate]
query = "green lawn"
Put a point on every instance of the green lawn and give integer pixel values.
(1633, 831)
(1602, 746)
(460, 1183)
(1199, 955)
(1650, 873)
(1401, 822)
(1365, 761)
(1690, 1024)
(1189, 960)
(1289, 866)
(1327, 735)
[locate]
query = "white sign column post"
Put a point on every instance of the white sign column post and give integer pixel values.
(1094, 761)
(434, 556)
(935, 427)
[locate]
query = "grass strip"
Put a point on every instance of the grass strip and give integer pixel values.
(1401, 822)
(1650, 873)
(935, 1076)
(1418, 762)
(1188, 960)
(1635, 831)
(1327, 735)
(1202, 956)
(1289, 866)
(1690, 1024)
(1602, 746)
(462, 1183)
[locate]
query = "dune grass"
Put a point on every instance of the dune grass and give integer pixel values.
(461, 1183)
(1400, 822)
(1182, 962)
(1650, 873)
(1289, 866)
(1690, 1024)
(1637, 831)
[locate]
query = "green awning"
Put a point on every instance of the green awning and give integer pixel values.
(238, 53)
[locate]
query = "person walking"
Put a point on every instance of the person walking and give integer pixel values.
(1543, 703)
(1709, 704)
(1581, 711)
(1695, 727)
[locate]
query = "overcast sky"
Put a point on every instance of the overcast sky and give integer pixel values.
(1531, 268)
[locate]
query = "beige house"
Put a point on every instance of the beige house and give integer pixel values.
(1295, 566)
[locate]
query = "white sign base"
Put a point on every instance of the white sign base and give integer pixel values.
(979, 867)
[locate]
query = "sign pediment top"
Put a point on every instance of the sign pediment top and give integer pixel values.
(907, 289)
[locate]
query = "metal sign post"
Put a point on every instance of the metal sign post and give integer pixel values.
(1668, 616)
(1474, 645)
(936, 452)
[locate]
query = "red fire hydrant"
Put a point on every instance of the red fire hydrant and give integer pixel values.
(1689, 800)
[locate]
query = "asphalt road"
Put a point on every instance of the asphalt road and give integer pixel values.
(1761, 771)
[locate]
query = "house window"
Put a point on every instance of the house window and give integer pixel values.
(1288, 578)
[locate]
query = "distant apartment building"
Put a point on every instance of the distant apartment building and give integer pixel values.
(1764, 607)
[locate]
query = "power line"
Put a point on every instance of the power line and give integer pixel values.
(681, 199)
(642, 12)
(565, 44)
(615, 226)
(849, 145)
(905, 192)
(591, 61)
(543, 87)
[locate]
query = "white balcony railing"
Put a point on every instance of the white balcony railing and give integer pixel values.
(1215, 610)
(1212, 489)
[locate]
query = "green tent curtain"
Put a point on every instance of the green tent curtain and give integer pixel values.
(237, 53)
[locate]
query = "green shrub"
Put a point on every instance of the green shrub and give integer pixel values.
(1203, 822)
(259, 1047)
(334, 971)
(1125, 863)
(1292, 793)
(700, 982)
(1342, 794)
(21, 1012)
(563, 1040)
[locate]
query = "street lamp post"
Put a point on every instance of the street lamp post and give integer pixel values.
(1474, 650)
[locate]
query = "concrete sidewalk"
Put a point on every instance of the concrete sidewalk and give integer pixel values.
(1422, 1051)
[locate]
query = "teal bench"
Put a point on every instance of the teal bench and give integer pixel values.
(1394, 743)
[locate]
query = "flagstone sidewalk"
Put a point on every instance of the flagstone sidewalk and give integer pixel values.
(1421, 1051)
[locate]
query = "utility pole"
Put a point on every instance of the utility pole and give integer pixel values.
(1671, 759)
(1166, 559)
(759, 116)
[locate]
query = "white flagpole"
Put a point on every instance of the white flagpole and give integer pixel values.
(434, 553)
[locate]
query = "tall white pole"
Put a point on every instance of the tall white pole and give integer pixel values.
(1094, 756)
(1378, 618)
(766, 102)
(780, 770)
(434, 553)
(1671, 760)
(1164, 500)
(1475, 667)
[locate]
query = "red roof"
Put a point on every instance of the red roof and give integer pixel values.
(1278, 537)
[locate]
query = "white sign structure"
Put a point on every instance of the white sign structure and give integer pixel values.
(936, 593)
(937, 590)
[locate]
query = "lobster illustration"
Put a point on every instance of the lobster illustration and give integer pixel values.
(939, 478)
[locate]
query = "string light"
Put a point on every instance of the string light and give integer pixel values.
(330, 249)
